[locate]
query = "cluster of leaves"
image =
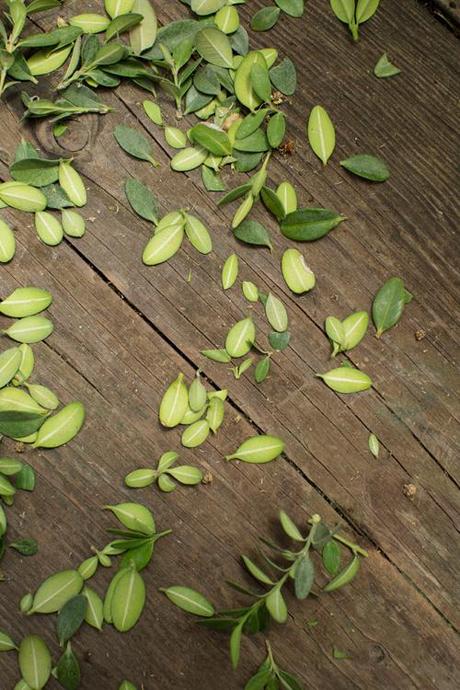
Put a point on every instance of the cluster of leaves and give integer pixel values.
(68, 595)
(354, 13)
(199, 410)
(14, 67)
(165, 475)
(14, 476)
(41, 185)
(321, 544)
(28, 411)
(266, 18)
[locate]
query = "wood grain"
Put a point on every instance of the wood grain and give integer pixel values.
(123, 331)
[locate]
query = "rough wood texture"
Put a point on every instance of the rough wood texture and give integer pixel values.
(123, 331)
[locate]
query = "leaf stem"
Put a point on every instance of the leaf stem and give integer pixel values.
(354, 547)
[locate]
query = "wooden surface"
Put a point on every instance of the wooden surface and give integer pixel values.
(123, 331)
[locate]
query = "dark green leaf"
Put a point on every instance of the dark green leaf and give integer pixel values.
(56, 198)
(253, 232)
(195, 100)
(70, 618)
(331, 557)
(245, 162)
(272, 202)
(207, 81)
(38, 172)
(259, 681)
(234, 194)
(279, 341)
(260, 82)
(240, 41)
(26, 547)
(308, 224)
(142, 200)
(19, 424)
(134, 143)
(25, 479)
(122, 23)
(68, 670)
(262, 369)
(284, 77)
(276, 130)
(388, 305)
(25, 150)
(215, 47)
(288, 682)
(304, 577)
(255, 143)
(250, 123)
(213, 140)
(367, 166)
(265, 18)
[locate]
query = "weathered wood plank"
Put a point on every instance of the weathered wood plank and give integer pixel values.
(126, 359)
(124, 375)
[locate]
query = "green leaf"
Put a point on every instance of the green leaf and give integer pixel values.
(214, 47)
(34, 662)
(365, 9)
(253, 232)
(332, 556)
(214, 140)
(68, 670)
(294, 8)
(134, 143)
(345, 576)
(70, 618)
(189, 600)
(26, 547)
(212, 180)
(288, 682)
(321, 133)
(388, 305)
(284, 77)
(128, 600)
(19, 424)
(265, 18)
(235, 645)
(256, 142)
(276, 314)
(309, 224)
(256, 572)
(290, 527)
(344, 10)
(38, 172)
(234, 194)
(279, 341)
(337, 654)
(204, 7)
(141, 199)
(220, 356)
(277, 606)
(276, 130)
(304, 577)
(122, 23)
(262, 369)
(143, 35)
(258, 449)
(384, 68)
(259, 681)
(374, 445)
(367, 166)
(260, 81)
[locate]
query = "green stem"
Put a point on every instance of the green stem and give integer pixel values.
(354, 31)
(354, 547)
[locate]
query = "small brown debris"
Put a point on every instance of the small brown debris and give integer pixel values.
(19, 447)
(228, 122)
(278, 98)
(410, 490)
(420, 334)
(207, 478)
(288, 147)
